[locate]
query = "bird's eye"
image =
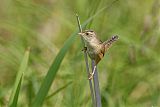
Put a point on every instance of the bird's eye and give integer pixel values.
(87, 33)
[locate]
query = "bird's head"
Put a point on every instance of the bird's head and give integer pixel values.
(88, 35)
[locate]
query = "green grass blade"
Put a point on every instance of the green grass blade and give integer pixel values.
(42, 93)
(52, 72)
(15, 99)
(54, 93)
(15, 92)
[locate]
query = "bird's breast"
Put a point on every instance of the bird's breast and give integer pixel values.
(93, 50)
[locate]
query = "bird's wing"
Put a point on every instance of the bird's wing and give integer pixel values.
(100, 54)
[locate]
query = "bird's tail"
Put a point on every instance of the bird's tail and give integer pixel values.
(109, 42)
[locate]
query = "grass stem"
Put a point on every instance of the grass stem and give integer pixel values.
(96, 86)
(87, 65)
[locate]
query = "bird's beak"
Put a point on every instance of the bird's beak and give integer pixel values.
(80, 33)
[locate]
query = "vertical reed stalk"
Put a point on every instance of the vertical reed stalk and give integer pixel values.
(87, 65)
(96, 86)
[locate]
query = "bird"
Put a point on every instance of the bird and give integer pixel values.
(95, 48)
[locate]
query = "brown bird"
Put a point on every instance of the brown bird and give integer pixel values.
(95, 48)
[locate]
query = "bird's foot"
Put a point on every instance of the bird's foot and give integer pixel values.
(84, 49)
(90, 76)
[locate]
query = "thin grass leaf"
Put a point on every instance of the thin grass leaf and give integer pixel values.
(15, 99)
(40, 97)
(52, 72)
(15, 92)
(60, 89)
(93, 10)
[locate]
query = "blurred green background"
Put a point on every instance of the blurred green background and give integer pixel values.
(129, 73)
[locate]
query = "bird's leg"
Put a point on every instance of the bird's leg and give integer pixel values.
(91, 74)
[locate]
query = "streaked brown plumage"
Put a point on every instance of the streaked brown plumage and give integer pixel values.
(95, 48)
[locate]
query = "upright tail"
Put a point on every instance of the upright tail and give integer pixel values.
(109, 42)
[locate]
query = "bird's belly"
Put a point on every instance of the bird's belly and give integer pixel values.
(93, 50)
(92, 53)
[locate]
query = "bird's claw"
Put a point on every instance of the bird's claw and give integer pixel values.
(90, 76)
(84, 49)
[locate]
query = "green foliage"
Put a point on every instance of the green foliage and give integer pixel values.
(16, 89)
(52, 72)
(129, 73)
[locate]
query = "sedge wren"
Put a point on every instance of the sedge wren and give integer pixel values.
(95, 47)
